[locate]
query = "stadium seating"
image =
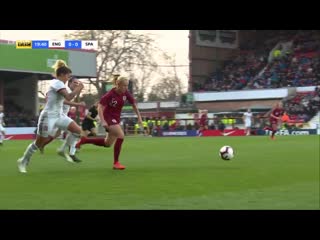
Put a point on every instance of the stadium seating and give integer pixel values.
(297, 65)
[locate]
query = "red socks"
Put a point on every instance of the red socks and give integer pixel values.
(117, 150)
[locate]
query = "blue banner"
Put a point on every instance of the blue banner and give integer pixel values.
(187, 133)
(284, 132)
(40, 44)
(73, 44)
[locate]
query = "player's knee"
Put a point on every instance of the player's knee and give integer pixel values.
(76, 135)
(120, 135)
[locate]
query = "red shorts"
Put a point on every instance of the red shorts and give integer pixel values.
(111, 120)
(273, 121)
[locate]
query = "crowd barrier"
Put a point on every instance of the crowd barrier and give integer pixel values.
(27, 133)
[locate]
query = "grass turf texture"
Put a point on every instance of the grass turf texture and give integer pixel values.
(167, 173)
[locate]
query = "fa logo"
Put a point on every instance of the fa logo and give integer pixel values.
(114, 121)
(113, 102)
(124, 98)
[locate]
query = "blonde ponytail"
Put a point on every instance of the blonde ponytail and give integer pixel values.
(60, 67)
(58, 64)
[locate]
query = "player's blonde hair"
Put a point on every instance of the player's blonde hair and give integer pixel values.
(61, 67)
(58, 64)
(115, 78)
(118, 79)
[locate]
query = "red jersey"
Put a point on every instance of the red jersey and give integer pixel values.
(72, 115)
(203, 120)
(113, 103)
(278, 112)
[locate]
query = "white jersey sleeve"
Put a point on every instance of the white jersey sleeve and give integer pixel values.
(57, 85)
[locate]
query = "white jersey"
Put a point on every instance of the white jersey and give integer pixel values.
(54, 100)
(247, 118)
(1, 118)
(66, 107)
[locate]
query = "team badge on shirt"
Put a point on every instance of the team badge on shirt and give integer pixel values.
(124, 98)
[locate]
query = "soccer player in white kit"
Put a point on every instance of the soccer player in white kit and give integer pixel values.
(52, 118)
(70, 141)
(2, 130)
(247, 118)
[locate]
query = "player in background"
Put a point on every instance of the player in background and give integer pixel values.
(88, 125)
(247, 119)
(2, 130)
(109, 111)
(203, 122)
(275, 118)
(51, 118)
(68, 141)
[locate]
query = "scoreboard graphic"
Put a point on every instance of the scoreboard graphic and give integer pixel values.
(55, 44)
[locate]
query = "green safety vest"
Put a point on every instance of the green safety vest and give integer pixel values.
(163, 122)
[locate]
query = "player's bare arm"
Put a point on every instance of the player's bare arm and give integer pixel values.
(136, 110)
(70, 96)
(100, 113)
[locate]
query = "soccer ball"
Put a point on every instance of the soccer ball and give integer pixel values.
(226, 153)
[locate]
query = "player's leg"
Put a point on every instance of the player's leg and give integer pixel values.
(2, 135)
(85, 139)
(65, 123)
(94, 131)
(74, 132)
(49, 140)
(274, 130)
(98, 141)
(115, 135)
(30, 150)
(45, 126)
(85, 133)
(200, 131)
(269, 127)
(72, 147)
(64, 144)
(248, 129)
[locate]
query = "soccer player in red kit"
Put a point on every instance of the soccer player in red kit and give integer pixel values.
(109, 110)
(203, 122)
(275, 118)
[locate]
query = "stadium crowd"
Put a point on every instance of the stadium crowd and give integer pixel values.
(291, 58)
(16, 116)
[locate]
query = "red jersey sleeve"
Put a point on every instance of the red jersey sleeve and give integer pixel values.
(105, 98)
(130, 98)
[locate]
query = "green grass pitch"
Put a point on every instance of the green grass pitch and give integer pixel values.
(167, 173)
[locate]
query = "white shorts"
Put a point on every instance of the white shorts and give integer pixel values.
(48, 126)
(2, 129)
(247, 124)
